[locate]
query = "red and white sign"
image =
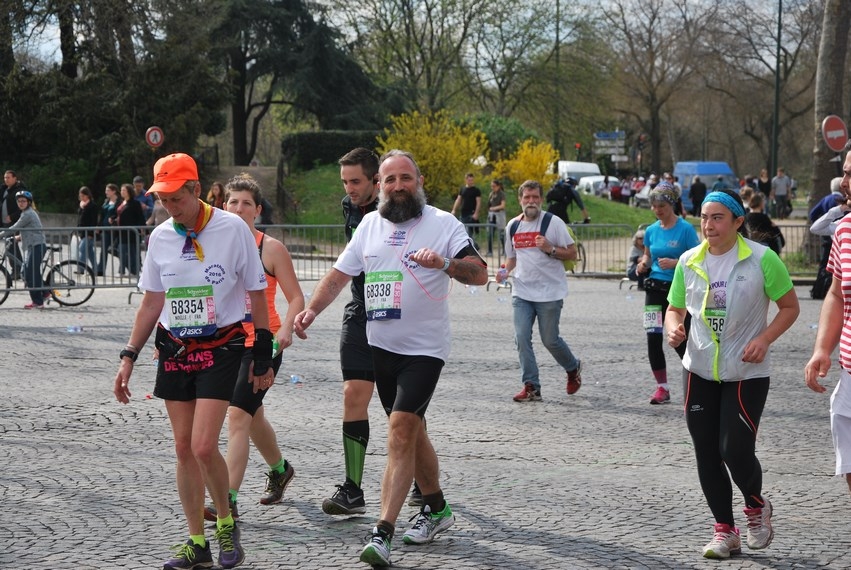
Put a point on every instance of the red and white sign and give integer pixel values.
(154, 137)
(834, 132)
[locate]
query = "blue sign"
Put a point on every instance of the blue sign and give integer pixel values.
(608, 136)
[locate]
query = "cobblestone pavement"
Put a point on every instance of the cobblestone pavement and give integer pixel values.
(600, 479)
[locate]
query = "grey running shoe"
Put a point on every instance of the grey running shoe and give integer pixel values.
(760, 532)
(428, 525)
(211, 515)
(725, 542)
(415, 499)
(377, 550)
(189, 556)
(276, 484)
(347, 500)
(231, 553)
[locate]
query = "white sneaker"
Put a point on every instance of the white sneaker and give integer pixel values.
(377, 550)
(428, 525)
(760, 531)
(725, 542)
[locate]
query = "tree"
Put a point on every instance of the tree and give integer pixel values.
(277, 53)
(445, 149)
(417, 47)
(743, 72)
(656, 42)
(830, 75)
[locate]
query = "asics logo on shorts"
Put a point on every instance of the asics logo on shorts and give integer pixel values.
(191, 332)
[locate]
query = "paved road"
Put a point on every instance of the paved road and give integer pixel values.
(596, 480)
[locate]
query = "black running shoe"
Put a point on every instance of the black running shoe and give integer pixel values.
(276, 484)
(348, 500)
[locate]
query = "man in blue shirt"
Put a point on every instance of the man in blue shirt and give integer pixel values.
(142, 197)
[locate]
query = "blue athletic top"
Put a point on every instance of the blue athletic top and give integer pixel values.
(672, 243)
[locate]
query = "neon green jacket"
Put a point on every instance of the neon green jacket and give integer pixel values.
(758, 277)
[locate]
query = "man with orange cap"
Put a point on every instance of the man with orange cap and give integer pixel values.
(201, 266)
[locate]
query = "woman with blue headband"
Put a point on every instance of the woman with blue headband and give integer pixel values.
(664, 241)
(726, 284)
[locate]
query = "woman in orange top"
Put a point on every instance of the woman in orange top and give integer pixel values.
(246, 416)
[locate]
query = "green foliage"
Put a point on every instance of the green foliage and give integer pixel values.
(55, 183)
(532, 161)
(318, 193)
(504, 134)
(302, 151)
(444, 149)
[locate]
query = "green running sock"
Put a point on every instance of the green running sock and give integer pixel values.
(279, 467)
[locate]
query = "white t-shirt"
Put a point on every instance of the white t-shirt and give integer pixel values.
(537, 277)
(718, 268)
(231, 265)
(407, 312)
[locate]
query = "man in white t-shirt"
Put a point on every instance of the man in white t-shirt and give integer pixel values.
(834, 329)
(408, 252)
(201, 266)
(536, 255)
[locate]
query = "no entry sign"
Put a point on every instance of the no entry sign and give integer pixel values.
(154, 137)
(834, 132)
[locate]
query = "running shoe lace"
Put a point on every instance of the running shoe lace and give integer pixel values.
(754, 518)
(225, 537)
(184, 551)
(423, 520)
(273, 482)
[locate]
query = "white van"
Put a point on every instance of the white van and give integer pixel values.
(577, 170)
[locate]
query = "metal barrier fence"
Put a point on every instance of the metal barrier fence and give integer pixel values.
(109, 245)
(314, 248)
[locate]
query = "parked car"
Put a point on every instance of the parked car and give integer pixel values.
(594, 185)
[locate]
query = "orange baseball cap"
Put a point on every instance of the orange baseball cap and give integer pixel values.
(173, 171)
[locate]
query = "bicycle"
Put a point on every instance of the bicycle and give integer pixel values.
(69, 282)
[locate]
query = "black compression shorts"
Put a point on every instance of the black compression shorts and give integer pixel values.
(355, 352)
(405, 383)
(244, 396)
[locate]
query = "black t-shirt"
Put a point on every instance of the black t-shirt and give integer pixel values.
(558, 199)
(468, 200)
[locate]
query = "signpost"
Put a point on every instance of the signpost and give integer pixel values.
(609, 142)
(154, 137)
(834, 132)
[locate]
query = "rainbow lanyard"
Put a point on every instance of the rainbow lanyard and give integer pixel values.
(200, 224)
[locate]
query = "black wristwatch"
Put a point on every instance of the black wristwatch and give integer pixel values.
(129, 353)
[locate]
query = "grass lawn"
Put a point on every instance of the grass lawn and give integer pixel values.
(317, 194)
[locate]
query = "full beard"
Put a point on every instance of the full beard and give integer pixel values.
(531, 211)
(401, 206)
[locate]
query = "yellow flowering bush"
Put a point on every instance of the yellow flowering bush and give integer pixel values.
(531, 161)
(443, 149)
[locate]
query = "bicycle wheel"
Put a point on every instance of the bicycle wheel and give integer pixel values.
(580, 259)
(5, 283)
(71, 282)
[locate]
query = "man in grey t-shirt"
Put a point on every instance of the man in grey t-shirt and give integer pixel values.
(781, 188)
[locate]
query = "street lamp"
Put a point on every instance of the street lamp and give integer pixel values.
(557, 90)
(775, 126)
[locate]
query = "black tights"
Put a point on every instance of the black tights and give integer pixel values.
(723, 418)
(655, 350)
